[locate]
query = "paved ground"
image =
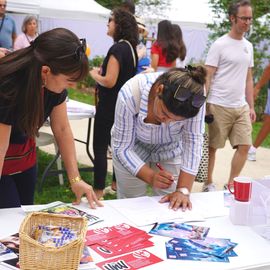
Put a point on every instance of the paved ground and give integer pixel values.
(256, 169)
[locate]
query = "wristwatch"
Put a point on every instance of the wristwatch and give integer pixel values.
(183, 190)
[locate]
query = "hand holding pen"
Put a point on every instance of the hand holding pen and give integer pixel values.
(165, 174)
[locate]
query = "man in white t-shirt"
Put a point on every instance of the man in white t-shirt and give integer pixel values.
(230, 86)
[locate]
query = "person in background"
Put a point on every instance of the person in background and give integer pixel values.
(180, 61)
(166, 48)
(143, 60)
(265, 129)
(7, 28)
(29, 32)
(33, 84)
(230, 85)
(157, 134)
(119, 65)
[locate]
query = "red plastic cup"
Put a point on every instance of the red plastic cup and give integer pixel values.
(241, 188)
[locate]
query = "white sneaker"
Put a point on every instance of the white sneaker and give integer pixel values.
(109, 190)
(252, 154)
(209, 188)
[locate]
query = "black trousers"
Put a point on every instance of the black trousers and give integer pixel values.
(101, 141)
(18, 189)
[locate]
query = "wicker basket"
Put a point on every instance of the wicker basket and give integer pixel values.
(35, 256)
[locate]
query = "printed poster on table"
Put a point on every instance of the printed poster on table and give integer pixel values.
(132, 261)
(65, 209)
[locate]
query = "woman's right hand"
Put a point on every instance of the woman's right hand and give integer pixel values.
(162, 179)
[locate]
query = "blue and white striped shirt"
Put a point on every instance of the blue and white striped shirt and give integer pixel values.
(135, 142)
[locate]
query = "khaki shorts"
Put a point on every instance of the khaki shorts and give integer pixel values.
(232, 123)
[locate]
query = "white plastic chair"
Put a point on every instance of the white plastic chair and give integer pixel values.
(46, 139)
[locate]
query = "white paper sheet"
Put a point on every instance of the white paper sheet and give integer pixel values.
(147, 210)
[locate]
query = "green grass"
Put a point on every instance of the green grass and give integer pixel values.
(81, 96)
(256, 128)
(52, 191)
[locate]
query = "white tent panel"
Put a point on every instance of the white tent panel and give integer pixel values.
(95, 32)
(23, 6)
(75, 9)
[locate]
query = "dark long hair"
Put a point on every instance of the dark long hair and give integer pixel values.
(20, 74)
(125, 27)
(168, 41)
(191, 78)
(179, 36)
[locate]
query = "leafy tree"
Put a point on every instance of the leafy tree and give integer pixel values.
(110, 4)
(143, 7)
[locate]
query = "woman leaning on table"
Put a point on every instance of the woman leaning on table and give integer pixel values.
(32, 88)
(159, 118)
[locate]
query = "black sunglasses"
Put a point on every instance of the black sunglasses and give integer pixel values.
(182, 94)
(79, 51)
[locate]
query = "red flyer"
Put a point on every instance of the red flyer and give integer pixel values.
(132, 261)
(106, 233)
(130, 239)
(106, 252)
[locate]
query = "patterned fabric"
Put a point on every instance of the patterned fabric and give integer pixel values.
(203, 168)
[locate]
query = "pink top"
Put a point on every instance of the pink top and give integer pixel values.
(23, 41)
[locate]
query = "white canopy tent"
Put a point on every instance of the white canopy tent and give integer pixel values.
(23, 6)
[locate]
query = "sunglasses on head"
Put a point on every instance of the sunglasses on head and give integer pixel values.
(79, 51)
(182, 94)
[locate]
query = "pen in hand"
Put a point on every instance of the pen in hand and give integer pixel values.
(161, 168)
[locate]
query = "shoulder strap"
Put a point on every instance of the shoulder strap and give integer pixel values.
(136, 93)
(132, 51)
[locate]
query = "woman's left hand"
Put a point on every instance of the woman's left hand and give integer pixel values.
(80, 188)
(177, 200)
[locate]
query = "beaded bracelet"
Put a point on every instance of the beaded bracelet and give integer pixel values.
(75, 180)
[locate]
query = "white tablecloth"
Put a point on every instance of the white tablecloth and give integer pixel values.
(253, 250)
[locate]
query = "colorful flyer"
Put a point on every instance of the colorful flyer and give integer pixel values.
(217, 246)
(180, 230)
(12, 242)
(132, 261)
(181, 253)
(106, 252)
(119, 231)
(65, 209)
(6, 253)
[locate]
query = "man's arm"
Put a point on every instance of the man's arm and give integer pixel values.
(249, 94)
(210, 73)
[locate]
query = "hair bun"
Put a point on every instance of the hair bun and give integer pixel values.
(198, 73)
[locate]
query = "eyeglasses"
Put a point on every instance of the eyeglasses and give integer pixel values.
(3, 5)
(245, 19)
(182, 94)
(79, 51)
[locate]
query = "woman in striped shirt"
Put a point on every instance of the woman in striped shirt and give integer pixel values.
(157, 135)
